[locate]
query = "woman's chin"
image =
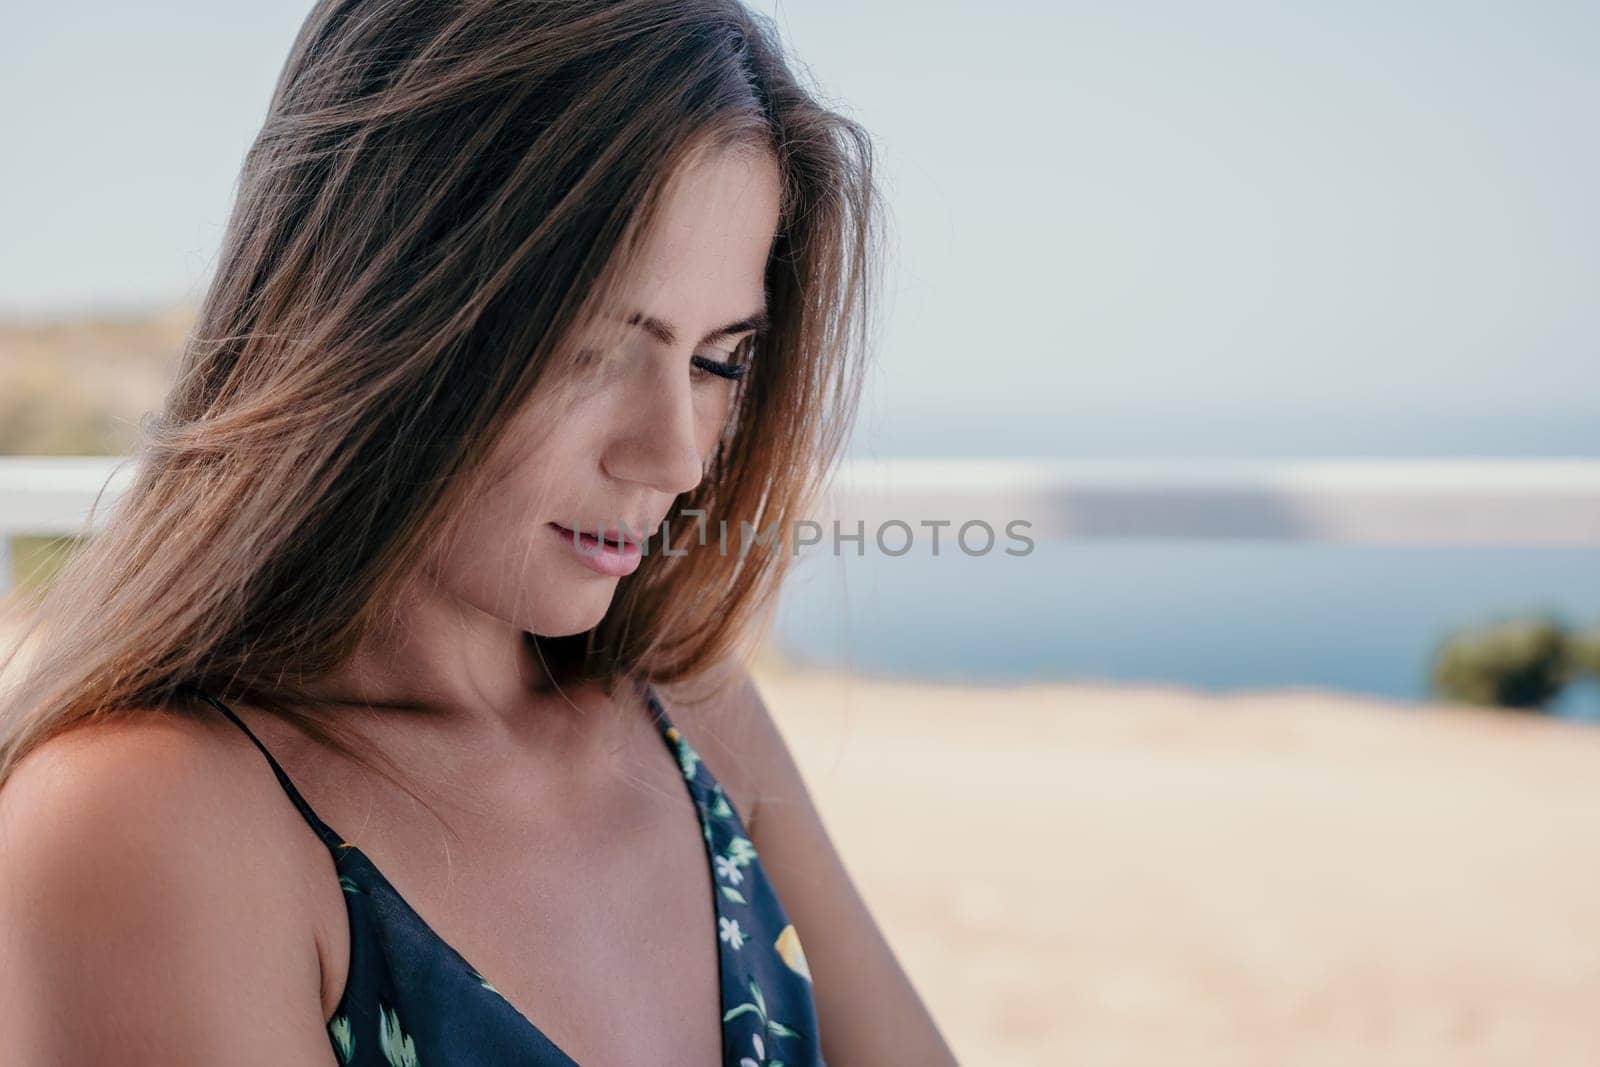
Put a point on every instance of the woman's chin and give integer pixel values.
(579, 612)
(566, 630)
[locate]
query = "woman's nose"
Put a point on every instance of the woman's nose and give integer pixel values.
(660, 442)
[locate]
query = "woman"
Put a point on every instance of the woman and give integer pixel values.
(498, 273)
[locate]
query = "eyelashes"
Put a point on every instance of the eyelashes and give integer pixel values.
(730, 371)
(590, 360)
(733, 369)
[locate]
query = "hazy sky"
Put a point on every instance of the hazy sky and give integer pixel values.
(1243, 226)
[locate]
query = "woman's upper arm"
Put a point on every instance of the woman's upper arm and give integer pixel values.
(136, 926)
(868, 1011)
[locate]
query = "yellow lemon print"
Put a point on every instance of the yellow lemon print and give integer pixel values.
(788, 946)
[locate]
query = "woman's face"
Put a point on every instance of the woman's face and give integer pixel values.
(639, 428)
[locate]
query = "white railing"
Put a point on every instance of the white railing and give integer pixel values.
(1483, 502)
(1378, 501)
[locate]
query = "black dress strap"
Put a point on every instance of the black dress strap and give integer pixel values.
(658, 712)
(324, 831)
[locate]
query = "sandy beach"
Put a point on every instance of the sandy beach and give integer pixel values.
(1130, 875)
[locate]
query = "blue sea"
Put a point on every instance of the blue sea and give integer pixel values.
(1218, 616)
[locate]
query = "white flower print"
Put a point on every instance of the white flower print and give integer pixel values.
(728, 867)
(731, 932)
(761, 1053)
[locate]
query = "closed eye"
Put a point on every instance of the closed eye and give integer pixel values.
(704, 367)
(731, 371)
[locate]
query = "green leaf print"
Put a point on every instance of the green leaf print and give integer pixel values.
(688, 759)
(758, 1004)
(741, 851)
(485, 983)
(733, 894)
(719, 805)
(348, 884)
(761, 1001)
(396, 1045)
(344, 1042)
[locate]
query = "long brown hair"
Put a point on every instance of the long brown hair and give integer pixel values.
(441, 197)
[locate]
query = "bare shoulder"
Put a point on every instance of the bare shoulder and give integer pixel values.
(144, 773)
(142, 870)
(157, 777)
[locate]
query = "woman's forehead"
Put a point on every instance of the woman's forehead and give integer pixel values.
(722, 209)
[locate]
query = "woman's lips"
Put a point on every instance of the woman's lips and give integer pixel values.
(605, 557)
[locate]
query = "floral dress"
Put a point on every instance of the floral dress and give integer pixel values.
(411, 1000)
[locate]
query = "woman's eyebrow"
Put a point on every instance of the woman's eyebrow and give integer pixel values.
(667, 333)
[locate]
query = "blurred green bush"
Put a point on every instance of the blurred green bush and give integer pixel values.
(1513, 663)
